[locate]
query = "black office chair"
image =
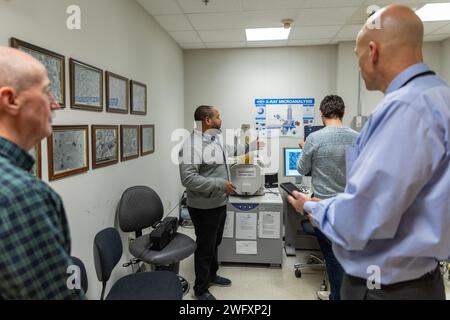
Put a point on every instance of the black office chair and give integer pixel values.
(313, 260)
(139, 208)
(156, 285)
(83, 273)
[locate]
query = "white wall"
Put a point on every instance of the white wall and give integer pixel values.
(232, 79)
(445, 60)
(347, 78)
(118, 36)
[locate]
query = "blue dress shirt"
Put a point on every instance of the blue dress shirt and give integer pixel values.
(395, 210)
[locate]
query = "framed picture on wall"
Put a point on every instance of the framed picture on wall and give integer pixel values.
(138, 101)
(147, 139)
(35, 152)
(116, 93)
(129, 142)
(86, 86)
(68, 151)
(105, 145)
(53, 62)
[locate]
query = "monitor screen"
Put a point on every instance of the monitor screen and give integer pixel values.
(291, 157)
(311, 129)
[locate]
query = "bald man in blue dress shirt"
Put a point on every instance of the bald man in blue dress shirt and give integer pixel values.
(391, 226)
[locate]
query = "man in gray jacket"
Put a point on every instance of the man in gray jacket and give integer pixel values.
(206, 176)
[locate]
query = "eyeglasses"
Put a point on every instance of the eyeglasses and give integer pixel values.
(53, 103)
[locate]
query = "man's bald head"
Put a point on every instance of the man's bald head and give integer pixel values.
(389, 42)
(394, 25)
(19, 70)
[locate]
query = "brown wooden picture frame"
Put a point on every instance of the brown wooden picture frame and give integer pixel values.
(75, 102)
(37, 172)
(62, 159)
(57, 77)
(129, 142)
(135, 99)
(111, 95)
(144, 150)
(104, 149)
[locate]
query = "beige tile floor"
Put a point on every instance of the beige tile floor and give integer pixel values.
(260, 282)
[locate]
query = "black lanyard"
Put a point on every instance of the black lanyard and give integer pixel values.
(423, 74)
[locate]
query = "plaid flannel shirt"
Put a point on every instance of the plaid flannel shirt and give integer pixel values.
(34, 234)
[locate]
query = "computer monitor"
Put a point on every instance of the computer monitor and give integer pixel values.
(291, 157)
(311, 129)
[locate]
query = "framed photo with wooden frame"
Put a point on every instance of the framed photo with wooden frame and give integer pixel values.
(105, 145)
(129, 142)
(117, 100)
(147, 139)
(53, 62)
(86, 86)
(138, 101)
(68, 149)
(35, 152)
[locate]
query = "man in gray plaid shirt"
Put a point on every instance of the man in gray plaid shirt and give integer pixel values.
(34, 235)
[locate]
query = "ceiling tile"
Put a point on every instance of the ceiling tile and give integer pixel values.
(349, 32)
(325, 16)
(197, 6)
(259, 5)
(156, 7)
(443, 30)
(188, 46)
(334, 3)
(311, 42)
(215, 45)
(185, 36)
(263, 19)
(436, 37)
(177, 22)
(222, 35)
(278, 43)
(316, 32)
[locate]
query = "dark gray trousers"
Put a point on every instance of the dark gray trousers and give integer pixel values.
(428, 287)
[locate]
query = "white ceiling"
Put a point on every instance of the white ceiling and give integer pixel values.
(222, 23)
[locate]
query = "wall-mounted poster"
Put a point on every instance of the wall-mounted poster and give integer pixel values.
(138, 93)
(129, 142)
(53, 62)
(105, 146)
(284, 117)
(68, 151)
(86, 86)
(147, 139)
(116, 93)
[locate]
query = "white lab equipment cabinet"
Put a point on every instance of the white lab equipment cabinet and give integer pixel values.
(253, 230)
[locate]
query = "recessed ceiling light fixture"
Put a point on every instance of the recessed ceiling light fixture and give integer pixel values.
(434, 12)
(267, 34)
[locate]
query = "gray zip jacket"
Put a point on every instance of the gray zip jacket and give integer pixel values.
(204, 170)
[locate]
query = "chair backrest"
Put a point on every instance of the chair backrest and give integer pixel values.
(107, 252)
(139, 208)
(83, 273)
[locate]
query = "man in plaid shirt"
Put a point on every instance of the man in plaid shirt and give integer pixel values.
(34, 235)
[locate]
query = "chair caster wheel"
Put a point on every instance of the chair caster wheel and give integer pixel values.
(298, 274)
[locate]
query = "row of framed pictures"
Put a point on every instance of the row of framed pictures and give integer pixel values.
(68, 147)
(86, 84)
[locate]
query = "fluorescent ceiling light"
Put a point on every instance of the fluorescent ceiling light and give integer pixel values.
(265, 34)
(434, 12)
